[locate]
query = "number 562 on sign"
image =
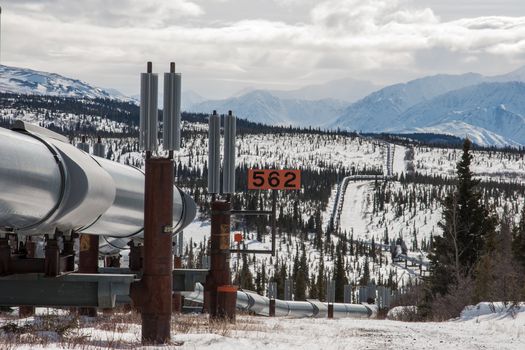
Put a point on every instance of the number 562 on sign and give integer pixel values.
(259, 179)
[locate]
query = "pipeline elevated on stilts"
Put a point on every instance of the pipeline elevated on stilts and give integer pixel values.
(251, 301)
(47, 184)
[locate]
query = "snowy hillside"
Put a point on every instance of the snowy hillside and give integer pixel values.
(372, 210)
(376, 111)
(476, 134)
(496, 107)
(263, 107)
(487, 109)
(27, 81)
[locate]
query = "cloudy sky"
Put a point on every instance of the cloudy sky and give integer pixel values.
(223, 46)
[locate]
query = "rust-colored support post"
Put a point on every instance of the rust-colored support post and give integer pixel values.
(28, 311)
(5, 256)
(69, 251)
(156, 284)
(88, 255)
(52, 257)
(88, 263)
(177, 297)
(219, 274)
(271, 312)
(330, 310)
(30, 247)
(135, 256)
(226, 302)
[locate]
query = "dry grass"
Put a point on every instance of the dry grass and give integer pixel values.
(108, 331)
(196, 324)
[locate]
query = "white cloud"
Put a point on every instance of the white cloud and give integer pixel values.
(342, 38)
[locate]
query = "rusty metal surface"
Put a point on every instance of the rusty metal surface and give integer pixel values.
(88, 254)
(88, 263)
(226, 302)
(52, 258)
(330, 310)
(272, 308)
(155, 288)
(220, 273)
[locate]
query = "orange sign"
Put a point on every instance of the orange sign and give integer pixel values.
(274, 179)
(237, 237)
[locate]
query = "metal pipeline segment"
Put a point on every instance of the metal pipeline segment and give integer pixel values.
(48, 184)
(251, 301)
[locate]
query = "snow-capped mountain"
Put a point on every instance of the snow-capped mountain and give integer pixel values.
(30, 82)
(376, 111)
(488, 109)
(496, 108)
(263, 107)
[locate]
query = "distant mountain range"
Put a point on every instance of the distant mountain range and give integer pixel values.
(264, 107)
(30, 82)
(489, 110)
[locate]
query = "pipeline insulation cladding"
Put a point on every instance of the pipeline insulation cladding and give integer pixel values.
(149, 86)
(171, 111)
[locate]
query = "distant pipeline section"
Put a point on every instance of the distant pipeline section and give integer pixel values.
(48, 184)
(260, 305)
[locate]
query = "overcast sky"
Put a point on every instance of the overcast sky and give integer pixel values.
(223, 46)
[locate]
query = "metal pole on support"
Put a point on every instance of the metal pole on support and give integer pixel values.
(155, 288)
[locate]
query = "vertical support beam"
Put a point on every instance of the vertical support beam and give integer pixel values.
(177, 297)
(88, 263)
(330, 297)
(156, 283)
(219, 274)
(28, 311)
(272, 294)
(272, 308)
(226, 302)
(273, 218)
(136, 253)
(5, 256)
(69, 251)
(88, 255)
(52, 257)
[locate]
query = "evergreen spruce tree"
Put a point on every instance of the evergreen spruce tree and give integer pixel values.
(321, 278)
(518, 240)
(339, 274)
(466, 225)
(246, 277)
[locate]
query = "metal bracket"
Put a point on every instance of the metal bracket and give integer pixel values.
(77, 289)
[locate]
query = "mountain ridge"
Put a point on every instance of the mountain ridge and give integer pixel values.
(28, 81)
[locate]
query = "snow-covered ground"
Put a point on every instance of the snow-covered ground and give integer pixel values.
(506, 167)
(480, 327)
(399, 160)
(367, 334)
